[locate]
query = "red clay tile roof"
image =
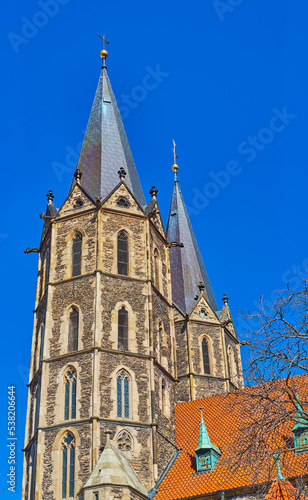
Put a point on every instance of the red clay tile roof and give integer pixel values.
(223, 422)
(283, 490)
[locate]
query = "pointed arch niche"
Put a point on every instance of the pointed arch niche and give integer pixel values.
(125, 443)
(71, 329)
(123, 322)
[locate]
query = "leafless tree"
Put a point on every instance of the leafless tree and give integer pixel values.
(274, 400)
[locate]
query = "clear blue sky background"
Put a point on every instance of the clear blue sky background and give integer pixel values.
(228, 68)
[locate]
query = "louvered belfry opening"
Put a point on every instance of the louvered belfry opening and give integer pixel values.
(73, 330)
(122, 254)
(123, 329)
(77, 242)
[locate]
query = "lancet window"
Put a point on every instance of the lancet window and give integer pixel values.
(123, 394)
(70, 381)
(68, 466)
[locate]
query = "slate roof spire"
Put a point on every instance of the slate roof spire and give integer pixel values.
(105, 147)
(187, 267)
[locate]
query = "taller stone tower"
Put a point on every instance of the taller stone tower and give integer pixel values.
(103, 352)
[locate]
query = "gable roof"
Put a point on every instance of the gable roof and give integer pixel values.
(113, 468)
(187, 267)
(223, 421)
(105, 147)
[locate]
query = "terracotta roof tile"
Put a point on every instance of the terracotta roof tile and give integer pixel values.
(283, 490)
(223, 422)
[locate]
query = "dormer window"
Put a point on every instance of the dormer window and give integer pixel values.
(202, 313)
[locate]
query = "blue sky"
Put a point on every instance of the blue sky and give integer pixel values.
(231, 90)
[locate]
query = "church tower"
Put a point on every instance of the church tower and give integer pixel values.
(208, 350)
(103, 351)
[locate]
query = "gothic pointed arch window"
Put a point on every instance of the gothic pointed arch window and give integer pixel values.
(70, 382)
(73, 330)
(77, 243)
(156, 268)
(123, 394)
(123, 329)
(68, 466)
(206, 357)
(122, 253)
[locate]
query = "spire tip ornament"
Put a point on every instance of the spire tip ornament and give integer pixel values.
(122, 173)
(77, 175)
(225, 299)
(175, 166)
(50, 196)
(103, 53)
(153, 192)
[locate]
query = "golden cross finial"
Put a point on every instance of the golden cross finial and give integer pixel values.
(104, 40)
(173, 149)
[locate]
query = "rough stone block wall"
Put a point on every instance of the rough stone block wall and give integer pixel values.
(79, 292)
(134, 227)
(118, 290)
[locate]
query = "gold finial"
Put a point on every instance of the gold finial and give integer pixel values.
(175, 166)
(103, 52)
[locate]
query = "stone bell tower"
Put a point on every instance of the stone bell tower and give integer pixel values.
(103, 351)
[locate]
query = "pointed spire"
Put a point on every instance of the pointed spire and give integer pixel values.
(105, 147)
(207, 454)
(113, 468)
(187, 267)
(204, 440)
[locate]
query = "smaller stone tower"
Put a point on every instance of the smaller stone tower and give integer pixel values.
(208, 350)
